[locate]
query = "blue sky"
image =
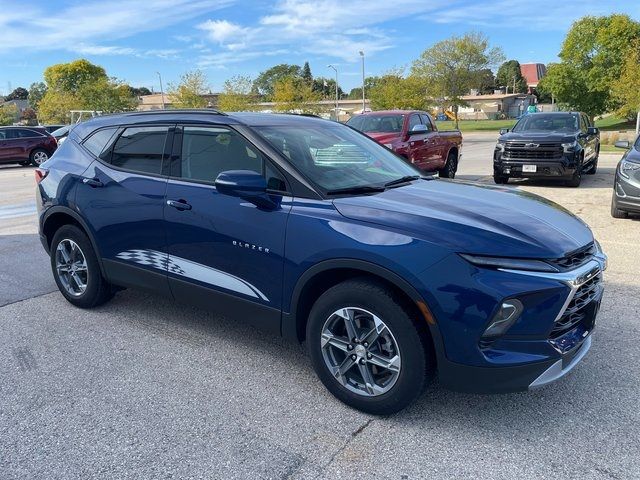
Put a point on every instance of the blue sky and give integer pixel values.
(133, 40)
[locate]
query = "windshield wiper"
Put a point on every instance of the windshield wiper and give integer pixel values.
(399, 181)
(357, 189)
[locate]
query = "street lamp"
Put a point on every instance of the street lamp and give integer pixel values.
(161, 90)
(362, 56)
(335, 70)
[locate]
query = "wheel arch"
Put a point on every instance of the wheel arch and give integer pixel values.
(58, 216)
(318, 278)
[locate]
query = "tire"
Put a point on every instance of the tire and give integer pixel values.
(500, 179)
(404, 350)
(576, 179)
(615, 211)
(25, 163)
(96, 289)
(594, 164)
(38, 157)
(450, 168)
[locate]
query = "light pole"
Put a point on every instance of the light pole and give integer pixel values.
(161, 90)
(362, 56)
(335, 70)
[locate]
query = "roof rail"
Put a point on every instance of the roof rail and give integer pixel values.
(178, 110)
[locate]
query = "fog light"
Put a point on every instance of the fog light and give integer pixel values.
(507, 315)
(507, 170)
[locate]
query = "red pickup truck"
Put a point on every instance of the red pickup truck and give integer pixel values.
(413, 135)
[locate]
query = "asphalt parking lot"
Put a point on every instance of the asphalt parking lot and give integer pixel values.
(145, 388)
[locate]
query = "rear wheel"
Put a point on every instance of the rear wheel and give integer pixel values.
(450, 168)
(76, 270)
(366, 349)
(38, 157)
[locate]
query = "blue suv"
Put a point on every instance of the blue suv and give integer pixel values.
(311, 230)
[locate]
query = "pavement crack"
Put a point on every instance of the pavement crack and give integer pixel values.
(354, 435)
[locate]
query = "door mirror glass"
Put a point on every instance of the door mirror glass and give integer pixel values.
(592, 131)
(247, 185)
(622, 144)
(418, 129)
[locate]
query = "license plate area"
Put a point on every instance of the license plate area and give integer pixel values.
(529, 168)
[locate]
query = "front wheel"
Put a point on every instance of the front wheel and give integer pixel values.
(38, 157)
(366, 347)
(576, 179)
(615, 211)
(76, 270)
(500, 179)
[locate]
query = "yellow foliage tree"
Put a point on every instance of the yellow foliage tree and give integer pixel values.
(236, 95)
(293, 94)
(188, 93)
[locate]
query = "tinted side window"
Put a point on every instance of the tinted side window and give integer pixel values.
(414, 120)
(207, 151)
(24, 133)
(3, 134)
(97, 142)
(140, 149)
(427, 121)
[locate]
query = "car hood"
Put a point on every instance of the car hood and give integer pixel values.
(473, 218)
(383, 137)
(546, 137)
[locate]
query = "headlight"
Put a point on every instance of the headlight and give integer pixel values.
(389, 146)
(570, 147)
(500, 146)
(510, 263)
(626, 167)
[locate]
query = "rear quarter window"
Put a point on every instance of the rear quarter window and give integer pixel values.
(97, 142)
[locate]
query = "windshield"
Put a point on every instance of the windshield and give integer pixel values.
(541, 122)
(61, 131)
(334, 157)
(377, 123)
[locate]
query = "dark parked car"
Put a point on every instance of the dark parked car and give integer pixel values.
(26, 145)
(61, 133)
(558, 145)
(414, 136)
(626, 188)
(313, 231)
(52, 128)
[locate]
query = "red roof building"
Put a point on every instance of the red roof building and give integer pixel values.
(532, 73)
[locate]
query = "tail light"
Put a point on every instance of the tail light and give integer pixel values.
(40, 174)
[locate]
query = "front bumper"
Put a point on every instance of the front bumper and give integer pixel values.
(534, 353)
(626, 194)
(563, 167)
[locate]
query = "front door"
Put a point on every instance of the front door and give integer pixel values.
(418, 149)
(224, 252)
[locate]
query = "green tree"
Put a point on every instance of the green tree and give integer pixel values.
(188, 93)
(369, 83)
(19, 93)
(36, 92)
(306, 73)
(592, 59)
(293, 94)
(450, 68)
(236, 94)
(71, 77)
(509, 74)
(395, 91)
(326, 88)
(55, 106)
(106, 95)
(264, 84)
(8, 114)
(626, 89)
(138, 91)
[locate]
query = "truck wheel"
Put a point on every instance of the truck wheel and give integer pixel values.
(615, 211)
(500, 179)
(366, 348)
(450, 168)
(576, 179)
(594, 166)
(76, 270)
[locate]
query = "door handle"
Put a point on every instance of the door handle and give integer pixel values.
(92, 182)
(179, 204)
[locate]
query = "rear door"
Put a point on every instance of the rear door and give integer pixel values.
(9, 144)
(224, 251)
(122, 197)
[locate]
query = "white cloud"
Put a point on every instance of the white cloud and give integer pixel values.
(222, 31)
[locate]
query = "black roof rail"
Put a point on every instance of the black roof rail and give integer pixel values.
(178, 110)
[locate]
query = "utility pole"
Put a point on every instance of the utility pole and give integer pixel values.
(335, 70)
(638, 123)
(362, 55)
(161, 90)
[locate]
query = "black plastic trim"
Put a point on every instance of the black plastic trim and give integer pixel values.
(134, 276)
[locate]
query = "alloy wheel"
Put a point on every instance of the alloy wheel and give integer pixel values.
(40, 157)
(71, 267)
(360, 351)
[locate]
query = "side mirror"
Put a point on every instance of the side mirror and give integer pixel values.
(503, 131)
(418, 129)
(593, 131)
(622, 144)
(248, 185)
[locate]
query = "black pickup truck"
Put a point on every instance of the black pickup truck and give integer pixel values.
(559, 145)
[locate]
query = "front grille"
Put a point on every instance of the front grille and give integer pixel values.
(576, 311)
(526, 151)
(576, 258)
